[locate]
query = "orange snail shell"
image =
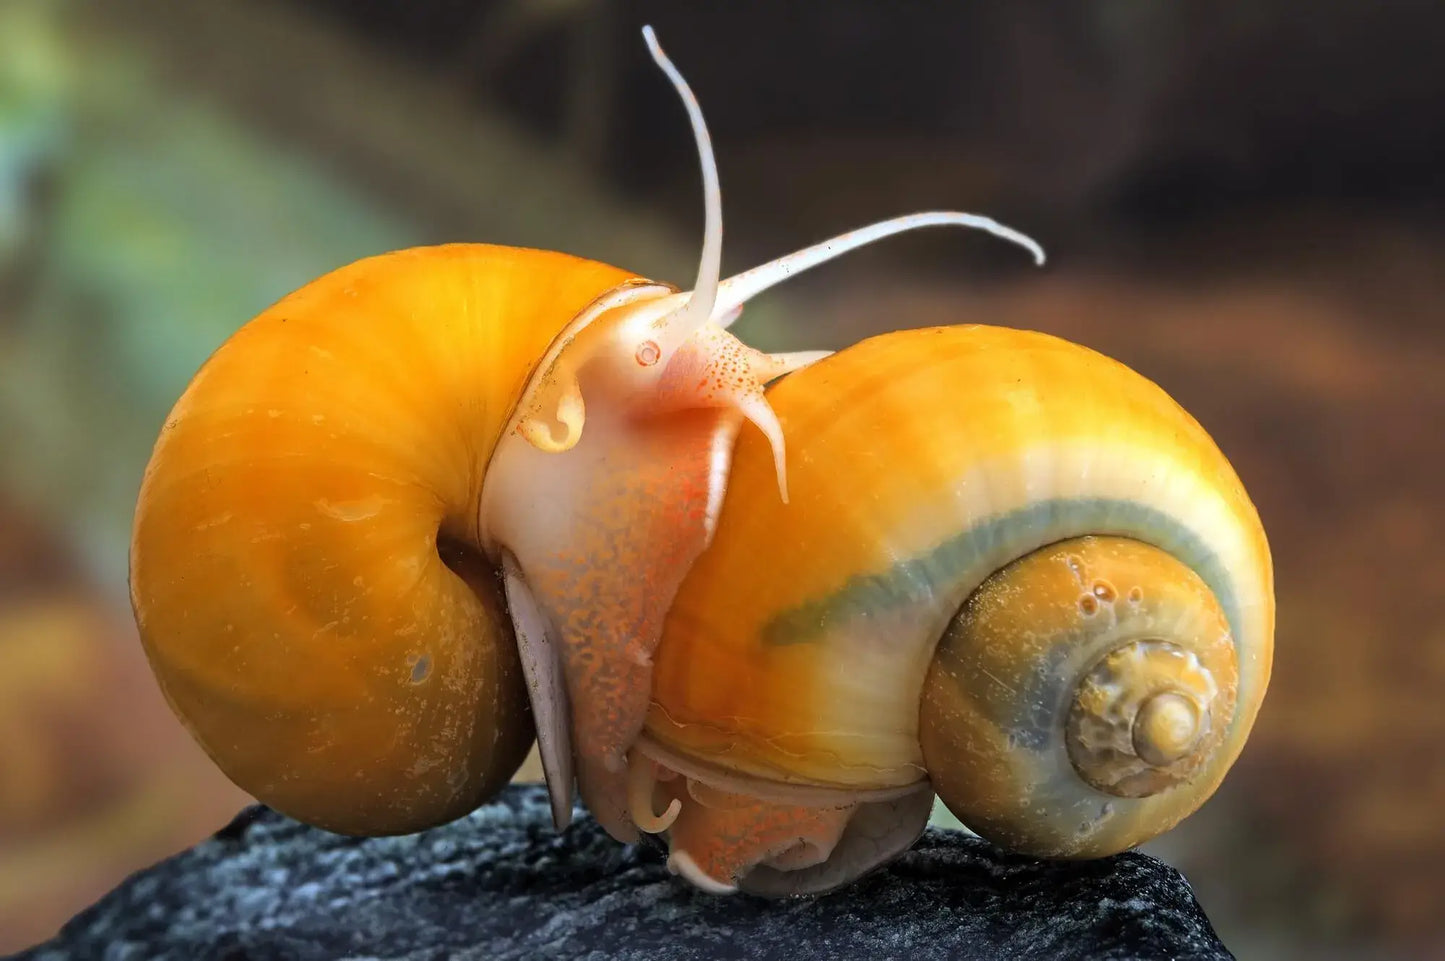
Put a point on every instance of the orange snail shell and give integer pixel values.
(306, 565)
(1012, 571)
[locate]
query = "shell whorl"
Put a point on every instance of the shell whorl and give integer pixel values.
(306, 569)
(1078, 702)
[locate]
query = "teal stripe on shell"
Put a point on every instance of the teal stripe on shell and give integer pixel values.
(993, 543)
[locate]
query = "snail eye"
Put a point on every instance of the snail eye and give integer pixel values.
(648, 353)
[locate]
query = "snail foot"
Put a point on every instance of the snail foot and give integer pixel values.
(717, 838)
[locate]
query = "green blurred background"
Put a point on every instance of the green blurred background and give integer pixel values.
(1244, 202)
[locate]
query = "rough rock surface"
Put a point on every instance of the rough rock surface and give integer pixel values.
(501, 884)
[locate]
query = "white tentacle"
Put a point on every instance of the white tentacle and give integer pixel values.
(699, 307)
(739, 289)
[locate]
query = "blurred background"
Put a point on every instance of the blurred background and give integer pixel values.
(1245, 202)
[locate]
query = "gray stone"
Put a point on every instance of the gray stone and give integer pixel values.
(501, 884)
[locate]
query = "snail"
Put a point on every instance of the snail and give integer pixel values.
(446, 500)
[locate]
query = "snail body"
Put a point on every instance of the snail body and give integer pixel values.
(444, 500)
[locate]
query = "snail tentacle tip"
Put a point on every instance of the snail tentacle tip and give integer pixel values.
(788, 362)
(700, 305)
(761, 413)
(654, 823)
(755, 407)
(641, 780)
(740, 288)
(955, 218)
(682, 864)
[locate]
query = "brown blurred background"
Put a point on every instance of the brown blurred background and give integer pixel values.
(1244, 202)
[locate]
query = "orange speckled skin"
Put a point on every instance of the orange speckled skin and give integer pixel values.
(920, 462)
(727, 834)
(285, 569)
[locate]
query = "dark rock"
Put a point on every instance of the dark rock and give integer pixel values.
(501, 884)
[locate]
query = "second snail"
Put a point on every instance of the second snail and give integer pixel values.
(444, 501)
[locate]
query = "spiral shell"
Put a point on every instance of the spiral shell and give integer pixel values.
(801, 646)
(1117, 685)
(306, 566)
